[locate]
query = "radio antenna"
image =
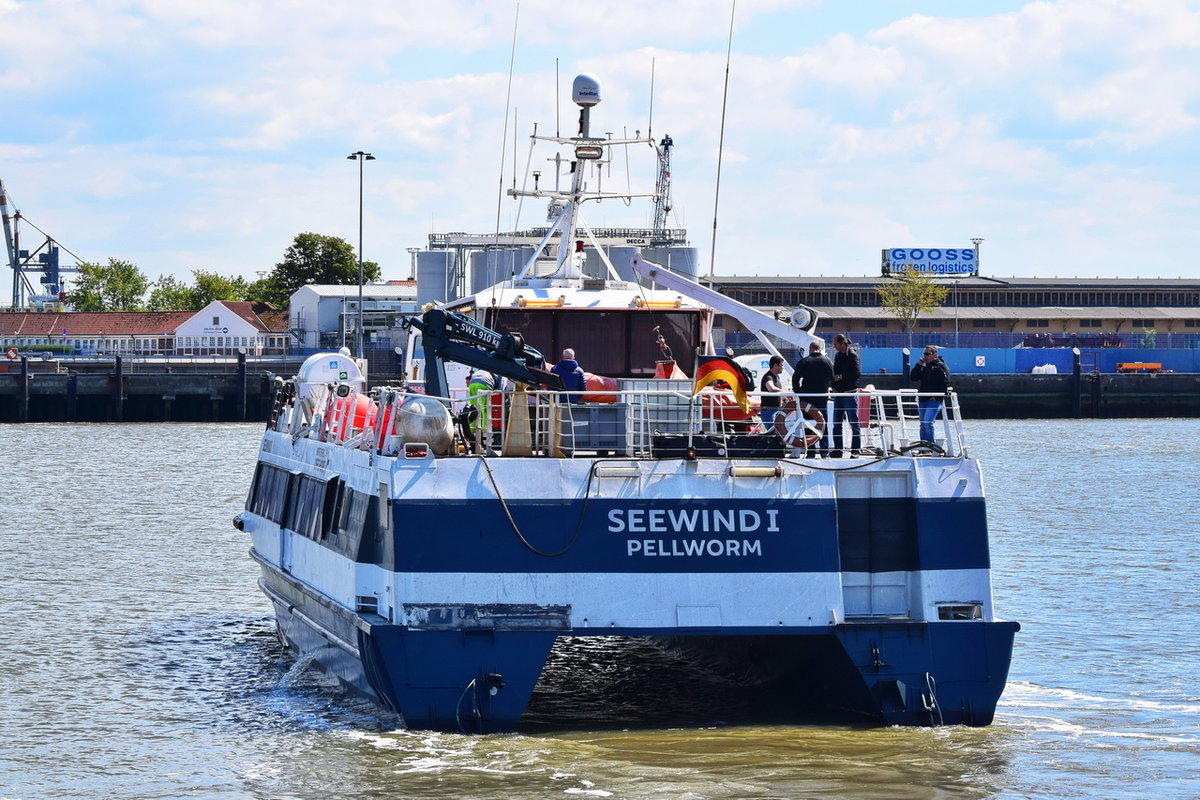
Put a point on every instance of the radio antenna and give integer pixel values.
(650, 122)
(504, 136)
(721, 144)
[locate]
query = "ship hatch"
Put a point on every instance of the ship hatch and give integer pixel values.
(877, 543)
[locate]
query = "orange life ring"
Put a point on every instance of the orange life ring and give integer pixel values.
(808, 436)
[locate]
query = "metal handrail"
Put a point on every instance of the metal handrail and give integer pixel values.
(889, 421)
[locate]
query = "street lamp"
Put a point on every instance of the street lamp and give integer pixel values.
(975, 240)
(360, 157)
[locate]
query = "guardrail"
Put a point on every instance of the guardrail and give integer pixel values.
(647, 421)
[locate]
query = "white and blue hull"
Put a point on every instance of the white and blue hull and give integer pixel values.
(439, 586)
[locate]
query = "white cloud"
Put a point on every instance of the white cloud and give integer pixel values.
(188, 134)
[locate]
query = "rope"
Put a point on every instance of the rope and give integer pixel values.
(587, 493)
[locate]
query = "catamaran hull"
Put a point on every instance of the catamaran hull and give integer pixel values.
(480, 679)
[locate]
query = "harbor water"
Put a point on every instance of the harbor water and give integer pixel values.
(139, 658)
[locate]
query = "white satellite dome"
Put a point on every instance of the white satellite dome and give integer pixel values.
(585, 91)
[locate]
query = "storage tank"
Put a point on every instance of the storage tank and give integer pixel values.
(435, 277)
(681, 259)
(489, 267)
(620, 258)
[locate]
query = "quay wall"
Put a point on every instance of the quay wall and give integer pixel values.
(245, 395)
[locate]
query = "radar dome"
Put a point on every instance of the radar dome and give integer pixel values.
(586, 90)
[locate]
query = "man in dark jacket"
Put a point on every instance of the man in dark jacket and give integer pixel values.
(813, 376)
(847, 369)
(574, 383)
(933, 376)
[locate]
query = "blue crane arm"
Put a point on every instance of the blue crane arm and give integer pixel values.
(448, 336)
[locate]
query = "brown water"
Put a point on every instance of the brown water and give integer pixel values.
(139, 660)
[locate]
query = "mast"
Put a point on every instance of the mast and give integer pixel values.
(662, 190)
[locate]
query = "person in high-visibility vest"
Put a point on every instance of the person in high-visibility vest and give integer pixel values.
(480, 385)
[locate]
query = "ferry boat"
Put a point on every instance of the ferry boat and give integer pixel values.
(429, 548)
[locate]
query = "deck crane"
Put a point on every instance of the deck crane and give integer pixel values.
(449, 336)
(796, 330)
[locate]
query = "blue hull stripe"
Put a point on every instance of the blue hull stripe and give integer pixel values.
(648, 536)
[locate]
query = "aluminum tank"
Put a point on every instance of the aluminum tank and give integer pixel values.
(681, 259)
(435, 277)
(489, 267)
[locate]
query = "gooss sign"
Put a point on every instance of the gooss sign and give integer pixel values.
(932, 260)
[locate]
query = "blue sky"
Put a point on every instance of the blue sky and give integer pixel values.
(206, 135)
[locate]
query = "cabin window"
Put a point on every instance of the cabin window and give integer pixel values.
(307, 515)
(269, 493)
(611, 343)
(353, 512)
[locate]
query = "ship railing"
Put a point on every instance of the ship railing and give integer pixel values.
(643, 421)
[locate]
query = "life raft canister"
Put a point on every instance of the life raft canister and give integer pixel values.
(350, 415)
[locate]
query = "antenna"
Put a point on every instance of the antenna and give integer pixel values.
(712, 256)
(557, 113)
(504, 136)
(650, 122)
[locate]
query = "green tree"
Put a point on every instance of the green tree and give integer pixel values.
(210, 286)
(170, 294)
(909, 294)
(311, 258)
(117, 286)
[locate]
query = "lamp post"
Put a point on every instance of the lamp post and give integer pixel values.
(954, 291)
(975, 240)
(360, 157)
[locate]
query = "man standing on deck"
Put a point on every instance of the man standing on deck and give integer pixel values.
(770, 387)
(847, 369)
(813, 377)
(933, 377)
(574, 383)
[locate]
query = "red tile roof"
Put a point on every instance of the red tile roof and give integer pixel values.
(93, 323)
(263, 316)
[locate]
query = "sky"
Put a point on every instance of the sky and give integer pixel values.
(205, 135)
